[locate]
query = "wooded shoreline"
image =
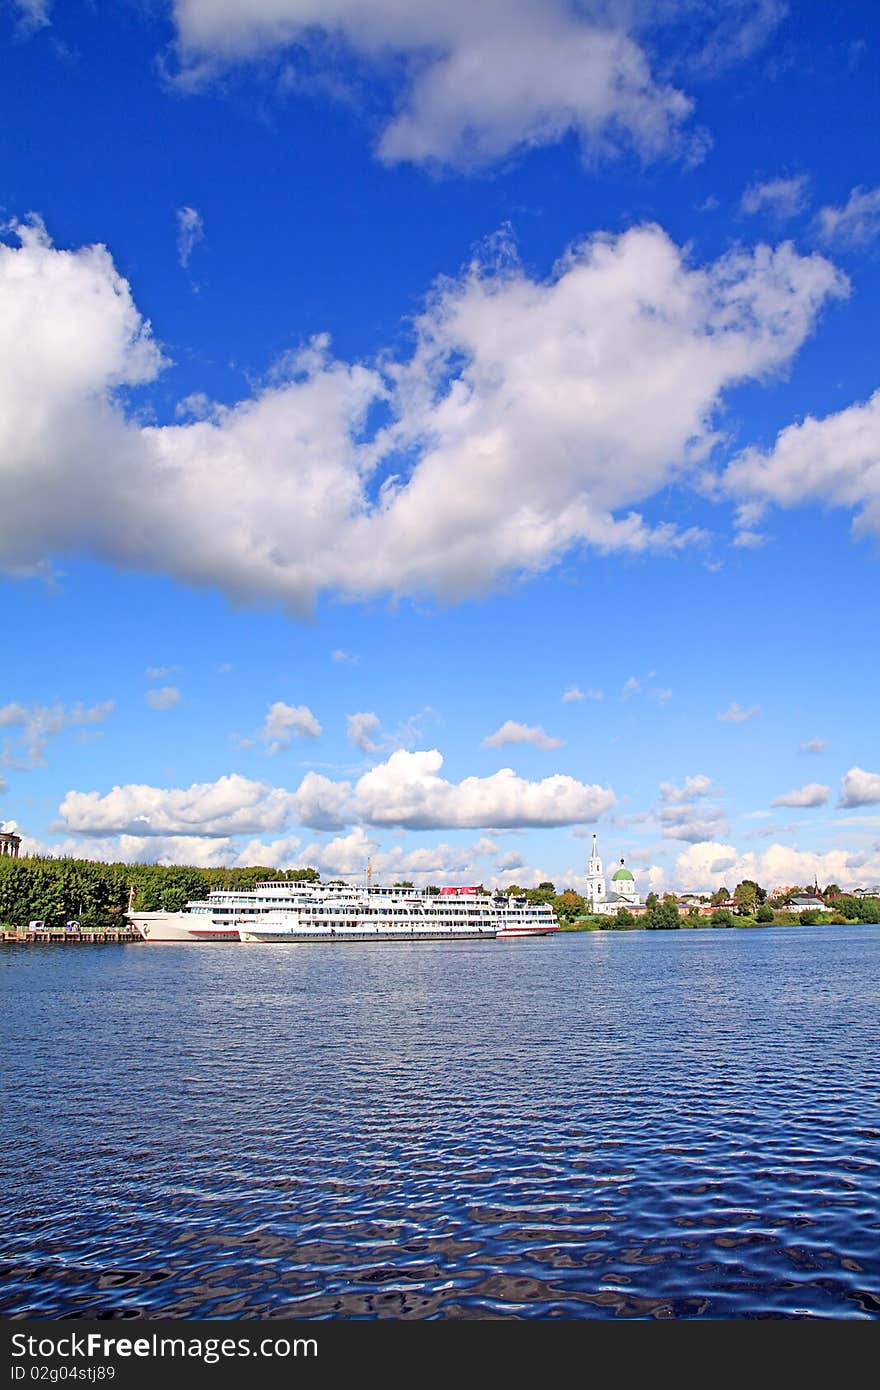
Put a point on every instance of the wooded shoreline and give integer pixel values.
(95, 896)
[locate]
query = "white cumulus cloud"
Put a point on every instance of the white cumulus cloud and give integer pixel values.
(749, 540)
(609, 371)
(512, 732)
(407, 790)
(681, 819)
(33, 14)
(813, 794)
(323, 804)
(285, 722)
(190, 231)
(736, 714)
(346, 856)
(35, 725)
(834, 461)
(692, 788)
(684, 823)
(710, 864)
(704, 865)
(282, 853)
(854, 224)
(511, 859)
(232, 805)
(478, 81)
(201, 851)
(859, 788)
(814, 745)
(725, 32)
(780, 197)
(164, 697)
(363, 729)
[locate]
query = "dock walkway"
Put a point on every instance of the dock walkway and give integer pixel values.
(59, 936)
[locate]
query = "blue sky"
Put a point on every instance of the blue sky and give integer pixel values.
(439, 432)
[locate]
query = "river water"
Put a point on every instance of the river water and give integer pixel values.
(669, 1124)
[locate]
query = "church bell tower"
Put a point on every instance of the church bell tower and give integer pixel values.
(595, 878)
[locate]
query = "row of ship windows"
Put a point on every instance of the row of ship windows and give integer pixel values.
(386, 912)
(426, 912)
(291, 897)
(377, 926)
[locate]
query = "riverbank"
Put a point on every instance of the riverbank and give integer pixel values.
(98, 895)
(781, 919)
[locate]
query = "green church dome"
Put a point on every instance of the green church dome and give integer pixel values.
(622, 874)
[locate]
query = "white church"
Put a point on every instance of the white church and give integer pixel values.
(623, 887)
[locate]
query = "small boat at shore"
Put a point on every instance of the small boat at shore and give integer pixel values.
(280, 911)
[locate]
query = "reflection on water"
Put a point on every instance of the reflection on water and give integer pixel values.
(637, 1124)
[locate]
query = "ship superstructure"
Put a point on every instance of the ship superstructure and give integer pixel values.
(284, 911)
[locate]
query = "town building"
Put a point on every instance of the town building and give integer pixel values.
(9, 844)
(807, 902)
(595, 894)
(624, 892)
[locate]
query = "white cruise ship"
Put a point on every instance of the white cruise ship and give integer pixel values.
(300, 912)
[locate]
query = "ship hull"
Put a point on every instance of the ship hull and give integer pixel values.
(525, 931)
(157, 927)
(300, 937)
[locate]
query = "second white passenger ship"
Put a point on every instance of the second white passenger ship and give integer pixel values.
(281, 911)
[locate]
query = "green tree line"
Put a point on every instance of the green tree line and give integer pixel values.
(751, 900)
(96, 894)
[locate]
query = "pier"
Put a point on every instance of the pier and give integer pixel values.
(44, 936)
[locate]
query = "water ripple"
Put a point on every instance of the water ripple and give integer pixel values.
(598, 1126)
